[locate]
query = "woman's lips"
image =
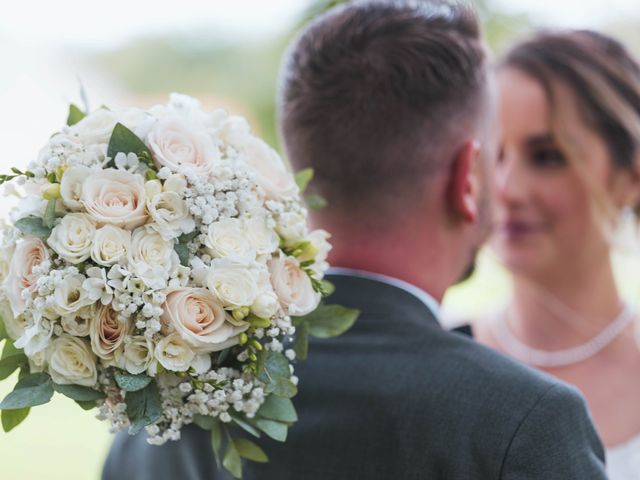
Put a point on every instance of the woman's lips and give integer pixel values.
(518, 229)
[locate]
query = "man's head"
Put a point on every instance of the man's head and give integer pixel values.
(386, 101)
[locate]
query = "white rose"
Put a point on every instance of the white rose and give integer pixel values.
(138, 121)
(174, 353)
(71, 361)
(138, 354)
(72, 238)
(79, 324)
(228, 237)
(292, 286)
(29, 253)
(71, 185)
(116, 197)
(175, 183)
(69, 296)
(268, 170)
(292, 226)
(15, 325)
(96, 127)
(233, 283)
(170, 214)
(176, 143)
(107, 332)
(263, 239)
(110, 245)
(198, 318)
(150, 254)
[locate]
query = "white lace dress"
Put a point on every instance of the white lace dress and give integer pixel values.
(623, 461)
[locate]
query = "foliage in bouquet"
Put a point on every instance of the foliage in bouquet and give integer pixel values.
(158, 265)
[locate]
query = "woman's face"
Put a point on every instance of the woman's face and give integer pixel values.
(544, 215)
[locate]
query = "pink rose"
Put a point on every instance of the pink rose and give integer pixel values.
(200, 320)
(269, 171)
(115, 197)
(107, 332)
(175, 143)
(29, 253)
(292, 286)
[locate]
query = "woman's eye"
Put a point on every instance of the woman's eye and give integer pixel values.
(548, 158)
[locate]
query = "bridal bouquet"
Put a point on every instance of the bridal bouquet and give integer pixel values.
(158, 266)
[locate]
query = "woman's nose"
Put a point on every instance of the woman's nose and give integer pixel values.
(511, 179)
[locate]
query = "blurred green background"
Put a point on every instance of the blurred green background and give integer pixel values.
(237, 71)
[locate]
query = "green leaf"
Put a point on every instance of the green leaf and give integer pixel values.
(249, 450)
(12, 418)
(78, 392)
(88, 405)
(279, 409)
(303, 177)
(36, 389)
(216, 440)
(276, 365)
(33, 226)
(10, 364)
(125, 141)
(301, 341)
(316, 202)
(283, 387)
(10, 349)
(183, 253)
(132, 383)
(75, 115)
(246, 426)
(232, 461)
(50, 214)
(328, 321)
(143, 407)
(187, 237)
(205, 422)
(3, 329)
(275, 430)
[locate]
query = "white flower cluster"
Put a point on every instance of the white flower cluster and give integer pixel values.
(150, 242)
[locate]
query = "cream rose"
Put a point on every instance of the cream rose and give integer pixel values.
(170, 214)
(71, 186)
(107, 332)
(292, 286)
(69, 296)
(71, 362)
(72, 238)
(269, 171)
(150, 254)
(228, 238)
(138, 354)
(174, 354)
(175, 143)
(198, 318)
(263, 239)
(29, 253)
(116, 197)
(233, 283)
(110, 245)
(15, 325)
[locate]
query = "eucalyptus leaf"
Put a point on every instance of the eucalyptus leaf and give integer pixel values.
(88, 405)
(75, 115)
(246, 426)
(275, 430)
(316, 202)
(78, 392)
(143, 407)
(125, 141)
(12, 418)
(10, 349)
(232, 461)
(33, 226)
(276, 366)
(330, 320)
(283, 387)
(132, 383)
(216, 440)
(279, 409)
(205, 422)
(249, 450)
(33, 390)
(301, 341)
(183, 253)
(187, 237)
(10, 364)
(303, 177)
(50, 214)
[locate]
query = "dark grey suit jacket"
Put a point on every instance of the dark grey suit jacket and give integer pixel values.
(398, 397)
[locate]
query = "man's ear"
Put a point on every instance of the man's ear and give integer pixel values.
(464, 183)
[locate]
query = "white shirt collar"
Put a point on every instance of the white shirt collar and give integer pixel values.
(430, 302)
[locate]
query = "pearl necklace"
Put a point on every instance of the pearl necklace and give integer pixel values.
(561, 358)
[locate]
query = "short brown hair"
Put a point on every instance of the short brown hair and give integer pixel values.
(373, 93)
